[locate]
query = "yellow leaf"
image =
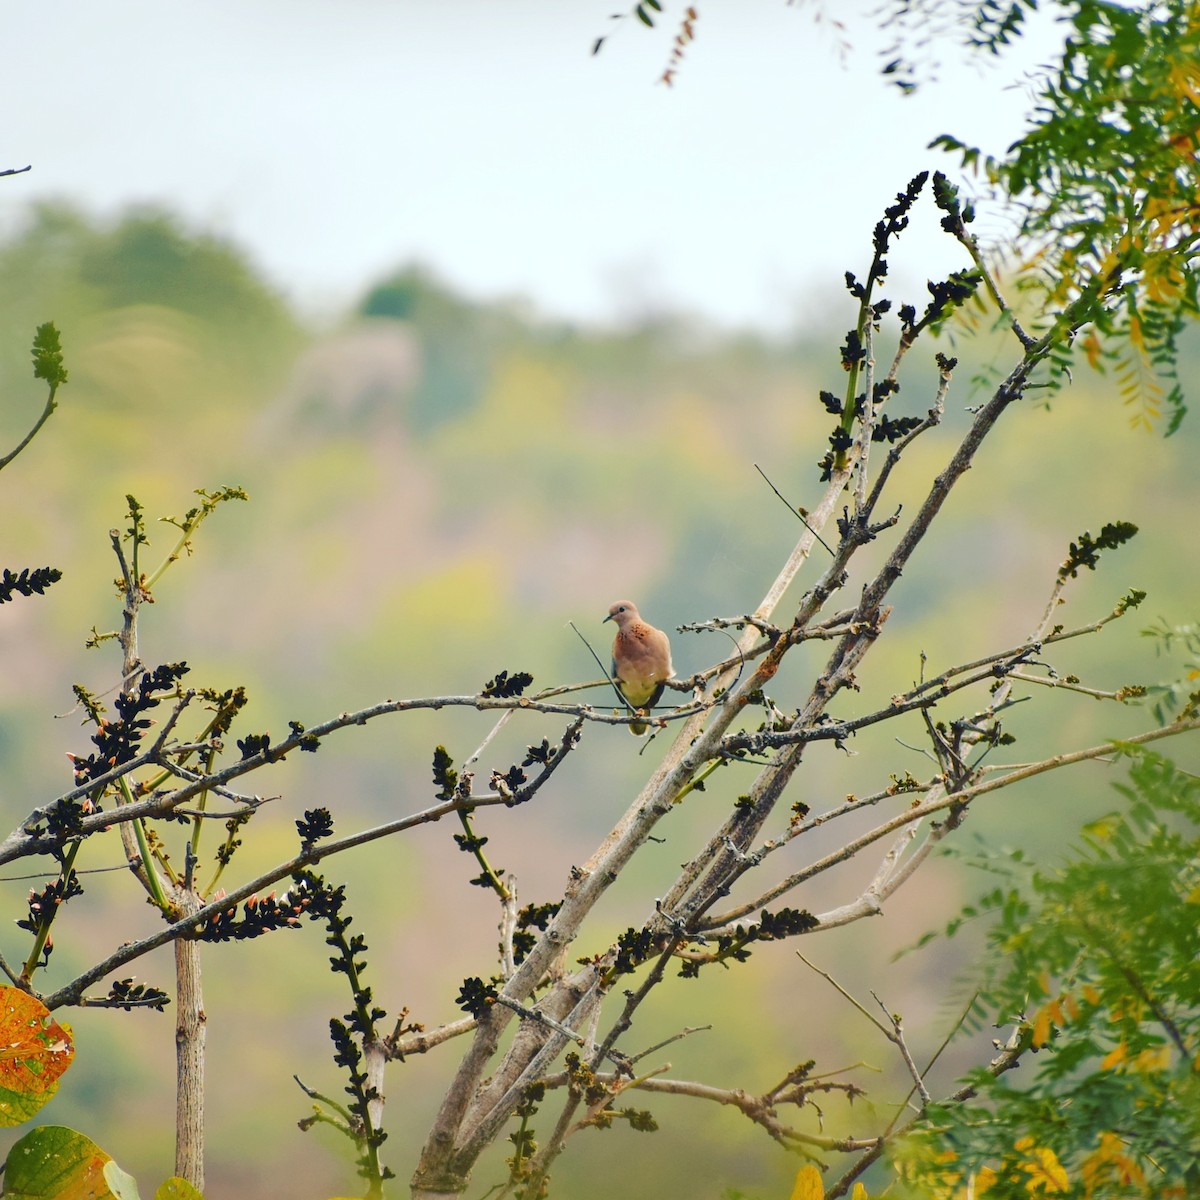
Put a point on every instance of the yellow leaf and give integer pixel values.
(808, 1184)
(984, 1180)
(1157, 1059)
(1046, 1174)
(1109, 1163)
(1103, 828)
(1113, 1057)
(177, 1189)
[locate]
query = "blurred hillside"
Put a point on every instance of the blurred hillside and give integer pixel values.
(437, 488)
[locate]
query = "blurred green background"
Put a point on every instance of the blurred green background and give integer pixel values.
(438, 487)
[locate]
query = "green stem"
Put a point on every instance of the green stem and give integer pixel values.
(223, 856)
(176, 551)
(187, 530)
(366, 1140)
(39, 941)
(699, 779)
(201, 802)
(147, 856)
(519, 1143)
(494, 881)
(864, 315)
(341, 1110)
(51, 405)
(321, 1117)
(207, 732)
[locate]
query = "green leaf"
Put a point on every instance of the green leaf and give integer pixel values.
(1097, 961)
(53, 1162)
(47, 356)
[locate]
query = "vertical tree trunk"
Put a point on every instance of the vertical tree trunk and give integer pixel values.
(189, 1052)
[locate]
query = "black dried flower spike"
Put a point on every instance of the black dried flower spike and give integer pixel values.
(1086, 551)
(119, 741)
(505, 686)
(892, 429)
(832, 403)
(634, 946)
(513, 779)
(260, 914)
(44, 905)
(308, 741)
(542, 754)
(226, 705)
(29, 582)
(475, 996)
(320, 901)
(317, 823)
(129, 995)
(254, 743)
(788, 922)
(945, 196)
(444, 774)
(64, 821)
(532, 916)
(853, 351)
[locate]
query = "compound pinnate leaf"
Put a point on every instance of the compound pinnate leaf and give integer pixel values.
(34, 1051)
(52, 1162)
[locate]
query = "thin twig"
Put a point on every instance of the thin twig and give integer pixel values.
(896, 1037)
(793, 510)
(675, 1037)
(714, 926)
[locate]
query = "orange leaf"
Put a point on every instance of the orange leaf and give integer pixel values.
(34, 1051)
(1113, 1057)
(1045, 1021)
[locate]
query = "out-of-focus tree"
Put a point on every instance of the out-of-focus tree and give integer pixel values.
(548, 1031)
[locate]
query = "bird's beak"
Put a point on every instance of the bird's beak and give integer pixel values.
(607, 619)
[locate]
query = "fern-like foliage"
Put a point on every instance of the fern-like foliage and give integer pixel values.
(1095, 960)
(1106, 182)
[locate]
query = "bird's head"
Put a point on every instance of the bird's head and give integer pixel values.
(622, 612)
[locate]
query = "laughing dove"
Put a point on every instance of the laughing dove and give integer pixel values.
(641, 659)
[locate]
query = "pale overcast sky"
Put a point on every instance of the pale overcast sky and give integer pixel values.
(337, 140)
